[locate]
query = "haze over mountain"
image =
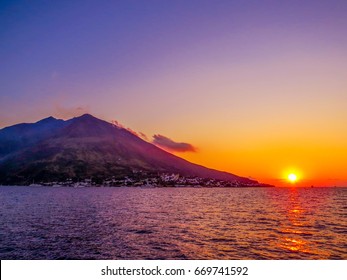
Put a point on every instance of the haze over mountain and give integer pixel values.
(87, 147)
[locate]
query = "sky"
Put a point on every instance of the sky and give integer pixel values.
(255, 88)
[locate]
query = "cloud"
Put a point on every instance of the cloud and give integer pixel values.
(138, 134)
(118, 124)
(172, 146)
(143, 136)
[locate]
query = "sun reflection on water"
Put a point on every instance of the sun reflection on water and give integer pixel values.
(296, 227)
(170, 223)
(298, 233)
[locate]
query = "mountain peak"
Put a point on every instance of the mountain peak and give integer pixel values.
(87, 126)
(46, 120)
(88, 147)
(86, 116)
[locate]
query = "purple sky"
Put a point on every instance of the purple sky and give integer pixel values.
(68, 53)
(216, 74)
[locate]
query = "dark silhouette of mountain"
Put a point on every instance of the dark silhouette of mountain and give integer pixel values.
(23, 135)
(87, 147)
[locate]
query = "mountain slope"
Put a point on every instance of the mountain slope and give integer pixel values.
(23, 135)
(86, 147)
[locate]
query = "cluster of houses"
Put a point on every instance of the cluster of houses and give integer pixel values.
(159, 180)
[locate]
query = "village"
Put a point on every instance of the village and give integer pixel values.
(158, 180)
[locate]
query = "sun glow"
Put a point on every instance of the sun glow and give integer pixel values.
(292, 177)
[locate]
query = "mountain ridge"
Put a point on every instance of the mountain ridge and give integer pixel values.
(87, 147)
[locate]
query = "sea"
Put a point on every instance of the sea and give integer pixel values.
(172, 223)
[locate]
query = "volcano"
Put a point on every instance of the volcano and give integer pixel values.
(87, 147)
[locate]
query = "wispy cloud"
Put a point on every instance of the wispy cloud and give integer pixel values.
(138, 134)
(172, 146)
(143, 136)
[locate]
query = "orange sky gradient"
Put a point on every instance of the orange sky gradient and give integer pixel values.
(259, 89)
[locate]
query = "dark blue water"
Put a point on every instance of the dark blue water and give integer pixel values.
(173, 223)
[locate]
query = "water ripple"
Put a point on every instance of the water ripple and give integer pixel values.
(172, 223)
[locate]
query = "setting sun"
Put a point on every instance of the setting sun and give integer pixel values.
(292, 178)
